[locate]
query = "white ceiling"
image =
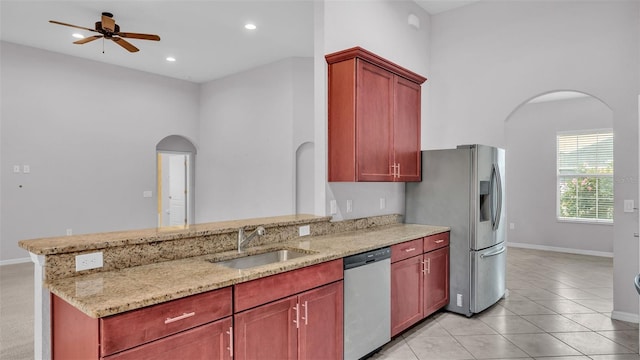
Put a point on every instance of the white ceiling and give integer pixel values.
(207, 37)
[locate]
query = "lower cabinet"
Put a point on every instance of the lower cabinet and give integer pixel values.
(194, 327)
(305, 326)
(419, 281)
(293, 315)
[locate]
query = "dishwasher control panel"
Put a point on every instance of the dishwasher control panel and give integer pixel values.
(367, 257)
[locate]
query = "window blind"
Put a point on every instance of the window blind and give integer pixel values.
(585, 175)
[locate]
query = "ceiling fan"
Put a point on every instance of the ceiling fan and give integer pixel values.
(109, 30)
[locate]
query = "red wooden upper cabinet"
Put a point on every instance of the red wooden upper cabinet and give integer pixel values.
(374, 118)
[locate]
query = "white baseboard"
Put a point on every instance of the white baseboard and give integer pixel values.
(15, 261)
(560, 249)
(625, 316)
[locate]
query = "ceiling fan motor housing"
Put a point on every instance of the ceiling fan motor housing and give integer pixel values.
(103, 31)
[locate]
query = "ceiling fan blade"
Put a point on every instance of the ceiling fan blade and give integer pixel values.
(139, 36)
(108, 23)
(73, 26)
(88, 39)
(125, 44)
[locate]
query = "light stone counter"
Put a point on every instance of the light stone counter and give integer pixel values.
(107, 293)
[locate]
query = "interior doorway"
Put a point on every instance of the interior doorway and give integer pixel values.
(173, 177)
(175, 181)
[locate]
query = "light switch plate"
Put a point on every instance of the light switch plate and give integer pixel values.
(628, 206)
(333, 205)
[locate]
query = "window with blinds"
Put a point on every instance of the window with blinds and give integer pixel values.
(585, 176)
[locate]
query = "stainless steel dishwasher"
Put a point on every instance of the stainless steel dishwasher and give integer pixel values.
(367, 302)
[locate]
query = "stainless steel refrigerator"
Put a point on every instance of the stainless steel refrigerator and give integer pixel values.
(464, 188)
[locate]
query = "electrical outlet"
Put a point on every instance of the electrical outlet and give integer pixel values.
(304, 230)
(69, 232)
(349, 206)
(89, 261)
(383, 203)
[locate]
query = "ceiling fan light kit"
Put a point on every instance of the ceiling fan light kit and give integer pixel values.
(108, 29)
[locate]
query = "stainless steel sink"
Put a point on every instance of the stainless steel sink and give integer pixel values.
(271, 257)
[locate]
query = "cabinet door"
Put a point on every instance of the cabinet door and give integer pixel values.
(436, 289)
(406, 129)
(267, 331)
(321, 323)
(374, 113)
(406, 293)
(211, 341)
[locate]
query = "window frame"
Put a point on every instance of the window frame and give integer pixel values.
(577, 174)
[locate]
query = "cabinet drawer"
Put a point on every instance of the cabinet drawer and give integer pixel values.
(123, 331)
(211, 341)
(406, 250)
(436, 241)
(261, 291)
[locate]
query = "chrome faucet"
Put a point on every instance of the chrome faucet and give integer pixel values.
(244, 240)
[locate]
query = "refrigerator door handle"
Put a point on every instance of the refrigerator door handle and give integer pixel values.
(495, 177)
(494, 253)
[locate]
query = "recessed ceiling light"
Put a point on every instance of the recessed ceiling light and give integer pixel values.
(78, 36)
(250, 27)
(171, 59)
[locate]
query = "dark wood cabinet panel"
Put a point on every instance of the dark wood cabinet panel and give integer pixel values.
(321, 323)
(374, 154)
(267, 329)
(210, 341)
(124, 331)
(406, 293)
(436, 241)
(406, 250)
(74, 335)
(406, 130)
(436, 283)
(374, 118)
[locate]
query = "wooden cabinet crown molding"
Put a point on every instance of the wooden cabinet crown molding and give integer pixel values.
(358, 52)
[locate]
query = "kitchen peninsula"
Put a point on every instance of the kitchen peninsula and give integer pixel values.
(150, 267)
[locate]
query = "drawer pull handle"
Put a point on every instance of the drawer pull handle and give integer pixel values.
(410, 249)
(178, 318)
(439, 241)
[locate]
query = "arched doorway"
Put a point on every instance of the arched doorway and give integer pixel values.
(533, 133)
(175, 157)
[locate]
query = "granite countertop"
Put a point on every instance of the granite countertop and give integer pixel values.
(112, 292)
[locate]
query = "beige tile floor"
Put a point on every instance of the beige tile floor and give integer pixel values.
(558, 307)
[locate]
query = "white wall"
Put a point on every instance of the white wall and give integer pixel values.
(530, 134)
(490, 57)
(88, 131)
(381, 27)
(246, 159)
